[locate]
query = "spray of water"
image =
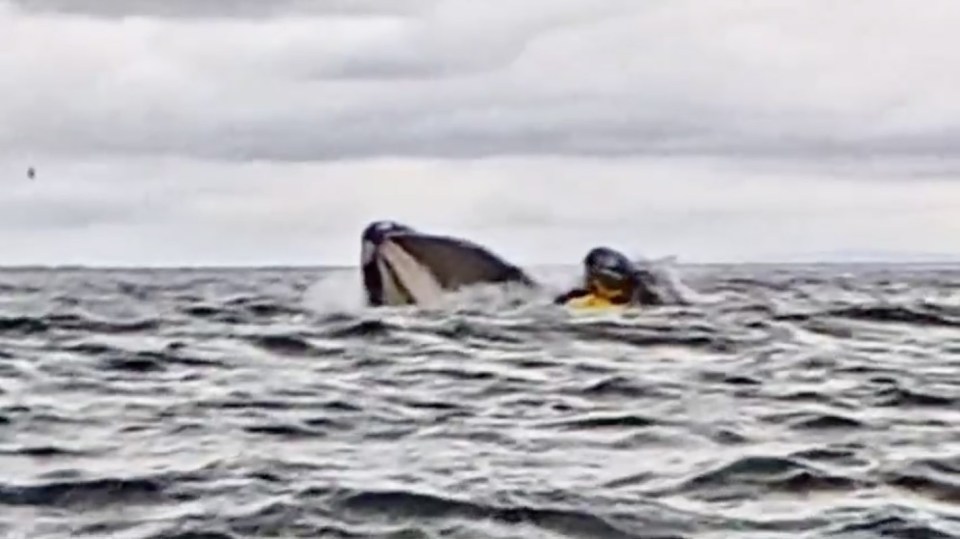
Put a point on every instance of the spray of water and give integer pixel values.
(336, 292)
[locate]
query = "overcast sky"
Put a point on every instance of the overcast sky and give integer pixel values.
(249, 132)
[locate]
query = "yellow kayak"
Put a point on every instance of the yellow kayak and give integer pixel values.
(593, 302)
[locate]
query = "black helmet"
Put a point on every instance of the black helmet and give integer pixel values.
(606, 261)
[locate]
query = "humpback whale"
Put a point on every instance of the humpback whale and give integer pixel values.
(403, 266)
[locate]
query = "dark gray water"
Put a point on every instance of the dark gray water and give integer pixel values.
(807, 402)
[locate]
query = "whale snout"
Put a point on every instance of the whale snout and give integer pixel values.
(375, 234)
(378, 231)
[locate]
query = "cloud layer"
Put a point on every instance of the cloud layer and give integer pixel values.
(251, 132)
(459, 78)
(171, 211)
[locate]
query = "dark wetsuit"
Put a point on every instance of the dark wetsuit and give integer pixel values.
(572, 294)
(643, 293)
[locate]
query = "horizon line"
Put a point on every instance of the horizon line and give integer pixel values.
(304, 266)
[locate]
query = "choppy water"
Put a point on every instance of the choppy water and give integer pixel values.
(804, 402)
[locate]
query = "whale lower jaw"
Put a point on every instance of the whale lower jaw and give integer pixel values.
(405, 280)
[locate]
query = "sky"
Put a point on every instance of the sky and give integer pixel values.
(241, 132)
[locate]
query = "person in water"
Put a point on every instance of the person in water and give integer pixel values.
(610, 278)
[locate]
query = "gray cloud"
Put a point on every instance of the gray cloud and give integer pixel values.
(461, 79)
(173, 211)
(220, 8)
(270, 132)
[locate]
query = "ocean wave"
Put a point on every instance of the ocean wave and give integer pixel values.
(802, 403)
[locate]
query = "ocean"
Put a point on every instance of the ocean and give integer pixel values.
(799, 401)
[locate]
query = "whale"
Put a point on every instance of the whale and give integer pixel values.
(401, 265)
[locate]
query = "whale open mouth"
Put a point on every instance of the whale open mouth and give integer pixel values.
(402, 266)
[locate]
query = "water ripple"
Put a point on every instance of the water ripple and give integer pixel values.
(216, 404)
